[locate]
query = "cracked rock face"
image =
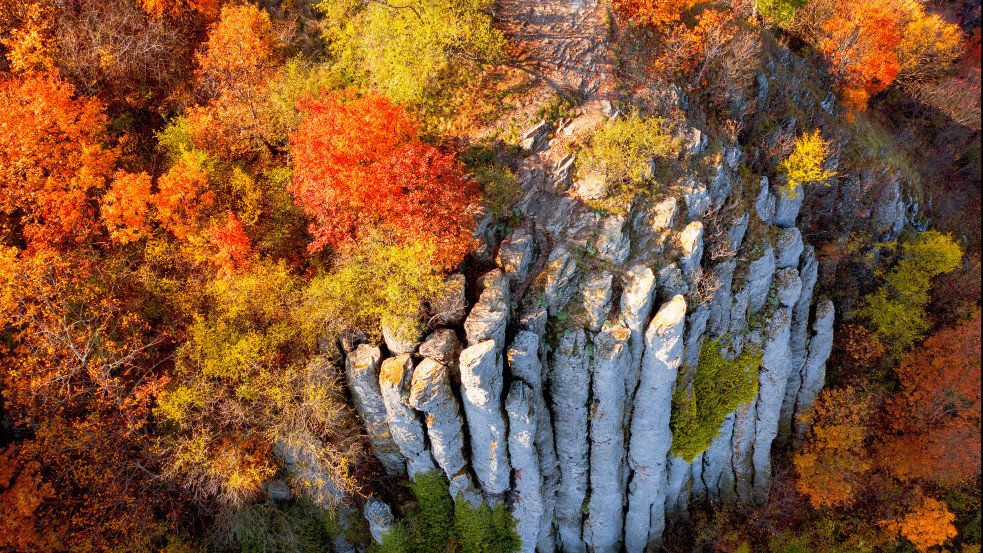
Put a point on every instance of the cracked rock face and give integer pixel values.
(442, 346)
(489, 317)
(380, 518)
(481, 387)
(395, 379)
(787, 209)
(452, 305)
(764, 205)
(691, 244)
(719, 313)
(814, 371)
(527, 495)
(759, 276)
(650, 437)
(515, 255)
(560, 271)
(612, 242)
(603, 529)
(696, 197)
(772, 377)
(362, 372)
(597, 299)
(570, 390)
(789, 248)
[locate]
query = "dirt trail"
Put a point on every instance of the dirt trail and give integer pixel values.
(563, 43)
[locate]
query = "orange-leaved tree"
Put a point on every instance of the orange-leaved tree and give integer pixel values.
(859, 42)
(935, 417)
(182, 197)
(53, 162)
(360, 166)
(232, 244)
(927, 525)
(655, 13)
(832, 463)
(239, 60)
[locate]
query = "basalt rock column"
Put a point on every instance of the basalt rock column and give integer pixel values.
(362, 372)
(527, 495)
(481, 391)
(650, 437)
(394, 381)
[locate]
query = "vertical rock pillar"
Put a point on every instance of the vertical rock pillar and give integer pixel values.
(481, 386)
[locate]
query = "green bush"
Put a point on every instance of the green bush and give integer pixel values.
(896, 311)
(780, 11)
(268, 528)
(621, 150)
(396, 540)
(434, 514)
(485, 529)
(719, 386)
(381, 283)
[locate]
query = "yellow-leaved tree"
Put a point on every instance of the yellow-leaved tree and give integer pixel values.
(805, 164)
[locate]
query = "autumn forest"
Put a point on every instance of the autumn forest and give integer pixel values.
(490, 276)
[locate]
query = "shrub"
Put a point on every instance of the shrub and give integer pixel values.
(719, 386)
(622, 149)
(780, 11)
(267, 528)
(382, 283)
(805, 164)
(485, 529)
(896, 311)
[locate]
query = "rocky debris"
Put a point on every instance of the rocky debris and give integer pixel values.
(603, 530)
(401, 340)
(719, 314)
(772, 376)
(612, 242)
(570, 390)
(814, 371)
(489, 317)
(717, 473)
(592, 186)
(735, 235)
(431, 393)
(481, 391)
(789, 248)
(395, 380)
(362, 372)
(597, 299)
(561, 268)
(765, 204)
(788, 286)
(561, 174)
(797, 343)
(759, 275)
(787, 208)
(696, 141)
(526, 503)
(720, 186)
(671, 282)
(534, 136)
(650, 437)
(452, 305)
(442, 346)
(691, 244)
(696, 197)
(515, 255)
(380, 518)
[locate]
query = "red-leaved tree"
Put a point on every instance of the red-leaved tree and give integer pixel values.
(359, 165)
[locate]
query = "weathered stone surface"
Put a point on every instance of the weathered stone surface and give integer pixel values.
(696, 325)
(593, 186)
(534, 320)
(395, 380)
(650, 437)
(526, 503)
(772, 377)
(719, 316)
(671, 283)
(612, 241)
(738, 319)
(699, 490)
(691, 244)
(888, 211)
(679, 472)
(431, 393)
(720, 186)
(452, 305)
(797, 343)
(789, 248)
(570, 390)
(663, 214)
(742, 444)
(718, 473)
(362, 372)
(481, 392)
(400, 341)
(735, 235)
(597, 299)
(380, 518)
(516, 253)
(696, 197)
(278, 490)
(560, 272)
(764, 205)
(535, 135)
(525, 363)
(814, 371)
(733, 156)
(489, 316)
(442, 346)
(462, 488)
(759, 275)
(788, 286)
(696, 141)
(787, 208)
(603, 530)
(299, 453)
